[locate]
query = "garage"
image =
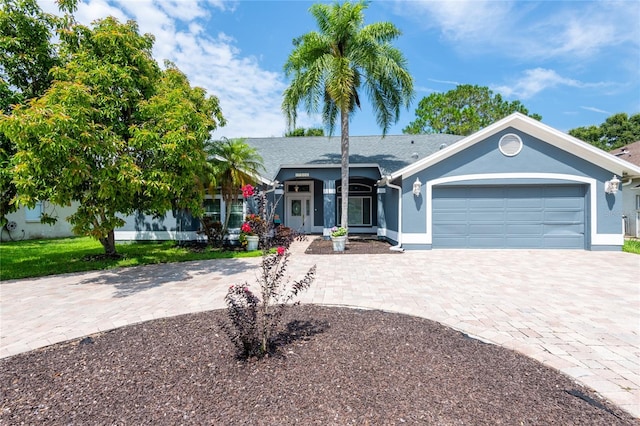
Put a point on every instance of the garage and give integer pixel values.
(509, 216)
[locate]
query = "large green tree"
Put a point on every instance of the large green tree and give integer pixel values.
(233, 164)
(462, 111)
(617, 130)
(330, 68)
(301, 131)
(114, 132)
(26, 57)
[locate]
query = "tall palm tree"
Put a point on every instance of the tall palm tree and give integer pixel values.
(331, 66)
(233, 164)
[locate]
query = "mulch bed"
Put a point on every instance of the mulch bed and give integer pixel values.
(339, 366)
(355, 245)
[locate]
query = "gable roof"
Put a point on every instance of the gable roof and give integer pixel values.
(536, 129)
(390, 153)
(630, 153)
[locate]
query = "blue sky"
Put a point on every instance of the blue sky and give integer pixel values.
(573, 62)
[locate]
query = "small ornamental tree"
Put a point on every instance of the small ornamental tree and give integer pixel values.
(254, 320)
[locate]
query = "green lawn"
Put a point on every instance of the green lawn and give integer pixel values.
(631, 246)
(36, 258)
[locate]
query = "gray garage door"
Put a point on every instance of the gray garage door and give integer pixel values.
(514, 216)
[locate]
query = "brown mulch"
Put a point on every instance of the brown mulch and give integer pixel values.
(355, 245)
(340, 366)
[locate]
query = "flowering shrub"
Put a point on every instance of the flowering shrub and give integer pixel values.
(338, 231)
(247, 191)
(253, 225)
(254, 320)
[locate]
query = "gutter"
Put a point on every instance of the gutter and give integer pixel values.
(386, 181)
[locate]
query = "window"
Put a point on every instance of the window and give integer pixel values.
(359, 211)
(237, 217)
(216, 209)
(34, 214)
(510, 145)
(298, 188)
(357, 188)
(212, 209)
(638, 202)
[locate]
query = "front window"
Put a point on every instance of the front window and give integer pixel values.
(212, 209)
(216, 209)
(237, 216)
(359, 211)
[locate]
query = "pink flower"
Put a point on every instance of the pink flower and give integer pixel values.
(281, 251)
(245, 227)
(247, 191)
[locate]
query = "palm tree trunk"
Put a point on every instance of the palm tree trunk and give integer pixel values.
(344, 148)
(227, 216)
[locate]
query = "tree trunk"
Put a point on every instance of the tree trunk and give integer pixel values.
(109, 244)
(227, 216)
(344, 148)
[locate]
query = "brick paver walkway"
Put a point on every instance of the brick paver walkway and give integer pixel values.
(576, 311)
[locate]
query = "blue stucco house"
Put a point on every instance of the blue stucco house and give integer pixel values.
(515, 184)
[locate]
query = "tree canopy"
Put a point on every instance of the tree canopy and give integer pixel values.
(462, 111)
(617, 130)
(26, 57)
(330, 68)
(114, 132)
(301, 131)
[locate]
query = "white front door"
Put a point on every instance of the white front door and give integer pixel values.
(298, 214)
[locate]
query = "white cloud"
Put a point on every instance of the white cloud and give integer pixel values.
(97, 9)
(536, 80)
(594, 109)
(527, 30)
(249, 95)
(458, 20)
(449, 82)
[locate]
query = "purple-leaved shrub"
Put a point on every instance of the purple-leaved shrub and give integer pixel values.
(255, 320)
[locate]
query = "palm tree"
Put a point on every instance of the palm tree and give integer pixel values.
(332, 65)
(233, 164)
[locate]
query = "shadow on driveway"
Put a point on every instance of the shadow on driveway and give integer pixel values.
(130, 281)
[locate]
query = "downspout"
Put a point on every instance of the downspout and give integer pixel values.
(397, 247)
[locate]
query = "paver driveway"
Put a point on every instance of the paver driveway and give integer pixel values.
(577, 311)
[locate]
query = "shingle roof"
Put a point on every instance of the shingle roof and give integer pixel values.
(391, 153)
(630, 153)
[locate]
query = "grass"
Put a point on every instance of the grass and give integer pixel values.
(36, 258)
(631, 246)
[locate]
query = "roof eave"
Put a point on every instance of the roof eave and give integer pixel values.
(534, 128)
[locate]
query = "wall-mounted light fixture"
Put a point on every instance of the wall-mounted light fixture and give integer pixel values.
(416, 187)
(611, 186)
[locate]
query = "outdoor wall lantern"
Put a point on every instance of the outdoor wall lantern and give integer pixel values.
(416, 187)
(611, 186)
